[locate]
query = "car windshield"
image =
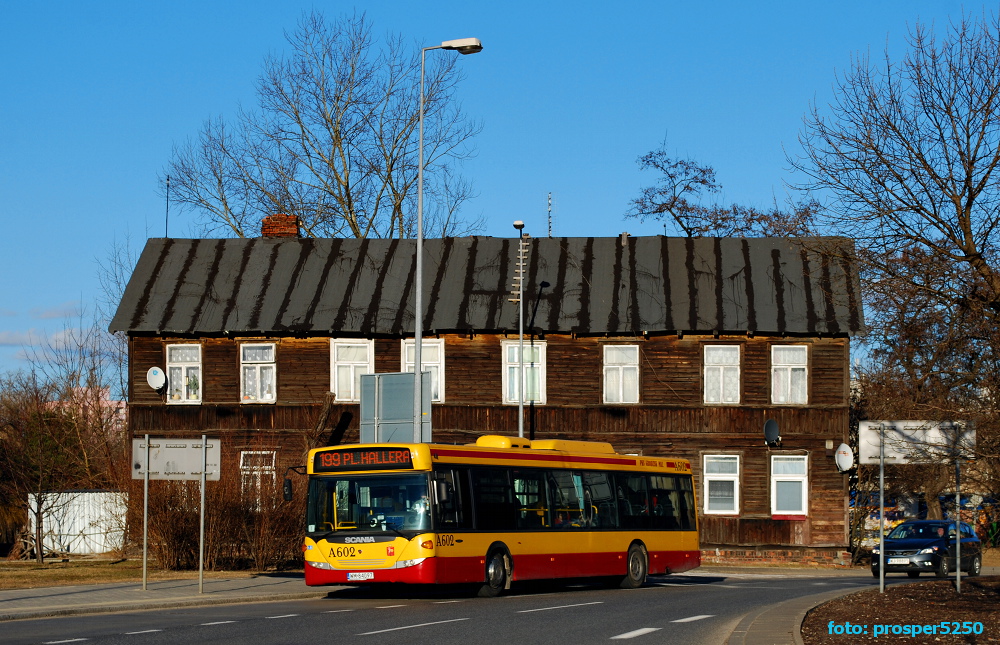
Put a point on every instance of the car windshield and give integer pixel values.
(918, 531)
(368, 503)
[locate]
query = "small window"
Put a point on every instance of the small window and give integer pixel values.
(534, 371)
(722, 484)
(722, 374)
(257, 373)
(432, 358)
(789, 485)
(621, 373)
(257, 476)
(349, 359)
(789, 372)
(184, 373)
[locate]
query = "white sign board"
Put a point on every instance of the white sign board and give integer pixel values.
(178, 459)
(916, 442)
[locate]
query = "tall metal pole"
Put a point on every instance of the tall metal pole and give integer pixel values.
(418, 299)
(145, 517)
(201, 535)
(520, 336)
(958, 528)
(881, 508)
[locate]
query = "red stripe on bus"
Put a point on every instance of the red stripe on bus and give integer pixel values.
(523, 457)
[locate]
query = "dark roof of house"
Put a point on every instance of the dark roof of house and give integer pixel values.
(586, 285)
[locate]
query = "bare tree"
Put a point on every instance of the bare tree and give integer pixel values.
(677, 195)
(333, 140)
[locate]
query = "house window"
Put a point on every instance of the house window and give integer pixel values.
(184, 373)
(534, 371)
(621, 373)
(722, 484)
(789, 383)
(432, 360)
(257, 373)
(257, 476)
(722, 374)
(349, 360)
(789, 485)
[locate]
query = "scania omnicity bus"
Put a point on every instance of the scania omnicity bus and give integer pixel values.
(503, 509)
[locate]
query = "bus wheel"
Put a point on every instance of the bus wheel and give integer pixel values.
(497, 574)
(637, 568)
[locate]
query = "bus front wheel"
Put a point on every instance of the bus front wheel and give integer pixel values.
(637, 568)
(497, 574)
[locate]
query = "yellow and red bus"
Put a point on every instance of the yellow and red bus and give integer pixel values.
(503, 509)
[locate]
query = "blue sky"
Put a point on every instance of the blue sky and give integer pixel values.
(570, 94)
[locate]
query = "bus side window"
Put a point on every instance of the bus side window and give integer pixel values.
(567, 505)
(453, 510)
(494, 505)
(633, 501)
(603, 507)
(529, 491)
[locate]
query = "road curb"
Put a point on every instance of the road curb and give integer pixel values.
(781, 624)
(106, 608)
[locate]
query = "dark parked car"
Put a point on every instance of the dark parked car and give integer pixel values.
(928, 546)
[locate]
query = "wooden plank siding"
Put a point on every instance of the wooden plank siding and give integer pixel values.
(671, 418)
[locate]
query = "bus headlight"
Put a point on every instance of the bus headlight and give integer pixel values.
(320, 565)
(402, 564)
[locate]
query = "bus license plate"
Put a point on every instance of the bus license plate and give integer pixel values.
(899, 561)
(361, 575)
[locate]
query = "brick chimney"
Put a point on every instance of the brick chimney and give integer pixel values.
(280, 225)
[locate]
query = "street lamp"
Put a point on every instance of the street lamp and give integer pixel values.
(462, 46)
(519, 276)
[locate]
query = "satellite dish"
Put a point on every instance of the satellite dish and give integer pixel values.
(771, 436)
(156, 378)
(844, 458)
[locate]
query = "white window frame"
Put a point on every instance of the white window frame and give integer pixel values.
(252, 476)
(185, 367)
(256, 366)
(716, 372)
(803, 478)
(357, 367)
(733, 478)
(618, 370)
(507, 366)
(406, 359)
(781, 387)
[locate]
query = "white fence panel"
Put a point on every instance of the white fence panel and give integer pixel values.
(82, 522)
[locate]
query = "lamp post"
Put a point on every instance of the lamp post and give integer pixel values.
(462, 46)
(519, 276)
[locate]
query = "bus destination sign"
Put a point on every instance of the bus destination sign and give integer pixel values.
(362, 459)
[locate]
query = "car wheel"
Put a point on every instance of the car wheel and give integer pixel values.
(975, 566)
(942, 569)
(636, 572)
(874, 573)
(497, 574)
(912, 574)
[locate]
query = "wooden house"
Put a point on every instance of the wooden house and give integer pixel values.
(661, 346)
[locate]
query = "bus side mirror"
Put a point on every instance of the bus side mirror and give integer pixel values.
(287, 489)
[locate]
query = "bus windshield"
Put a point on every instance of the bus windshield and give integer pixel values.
(366, 503)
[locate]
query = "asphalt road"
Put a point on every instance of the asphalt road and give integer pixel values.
(702, 607)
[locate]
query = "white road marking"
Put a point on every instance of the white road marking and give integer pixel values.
(584, 604)
(337, 611)
(691, 619)
(637, 632)
(220, 622)
(71, 640)
(283, 616)
(445, 602)
(389, 606)
(145, 631)
(395, 629)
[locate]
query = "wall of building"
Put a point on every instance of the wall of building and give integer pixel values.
(671, 418)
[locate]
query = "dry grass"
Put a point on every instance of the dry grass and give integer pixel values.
(25, 575)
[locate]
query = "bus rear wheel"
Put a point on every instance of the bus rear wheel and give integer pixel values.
(637, 568)
(497, 574)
